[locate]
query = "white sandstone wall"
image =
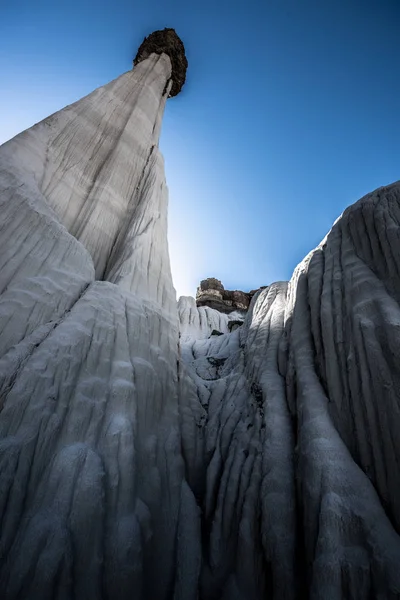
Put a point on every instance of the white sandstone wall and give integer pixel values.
(290, 429)
(92, 498)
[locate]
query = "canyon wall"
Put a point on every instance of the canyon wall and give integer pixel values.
(296, 457)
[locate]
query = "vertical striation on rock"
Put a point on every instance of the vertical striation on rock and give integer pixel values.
(296, 456)
(93, 491)
(239, 446)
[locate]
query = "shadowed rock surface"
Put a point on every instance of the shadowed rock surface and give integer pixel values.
(140, 455)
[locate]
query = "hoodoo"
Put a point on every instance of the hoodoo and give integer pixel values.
(141, 454)
(93, 500)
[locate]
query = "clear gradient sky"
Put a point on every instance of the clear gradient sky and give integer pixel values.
(290, 113)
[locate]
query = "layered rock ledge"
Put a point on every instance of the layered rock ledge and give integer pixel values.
(212, 293)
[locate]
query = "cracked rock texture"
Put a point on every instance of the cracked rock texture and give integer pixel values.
(142, 455)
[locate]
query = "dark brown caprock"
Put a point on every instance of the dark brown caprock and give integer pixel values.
(167, 41)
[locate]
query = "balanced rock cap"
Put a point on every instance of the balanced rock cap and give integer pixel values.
(166, 40)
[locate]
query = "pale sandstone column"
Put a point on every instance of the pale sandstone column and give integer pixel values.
(92, 492)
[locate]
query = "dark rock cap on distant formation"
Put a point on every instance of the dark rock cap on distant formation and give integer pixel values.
(167, 41)
(212, 293)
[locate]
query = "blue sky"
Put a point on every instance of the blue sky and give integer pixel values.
(290, 113)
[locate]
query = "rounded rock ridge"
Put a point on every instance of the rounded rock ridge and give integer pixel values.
(167, 41)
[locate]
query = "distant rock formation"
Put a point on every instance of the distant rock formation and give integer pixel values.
(157, 451)
(212, 293)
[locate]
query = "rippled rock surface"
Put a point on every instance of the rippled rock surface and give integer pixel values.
(296, 455)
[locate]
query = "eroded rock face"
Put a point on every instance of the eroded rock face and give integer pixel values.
(295, 453)
(141, 455)
(212, 293)
(93, 493)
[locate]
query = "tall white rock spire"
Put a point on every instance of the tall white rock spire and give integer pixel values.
(92, 480)
(94, 161)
